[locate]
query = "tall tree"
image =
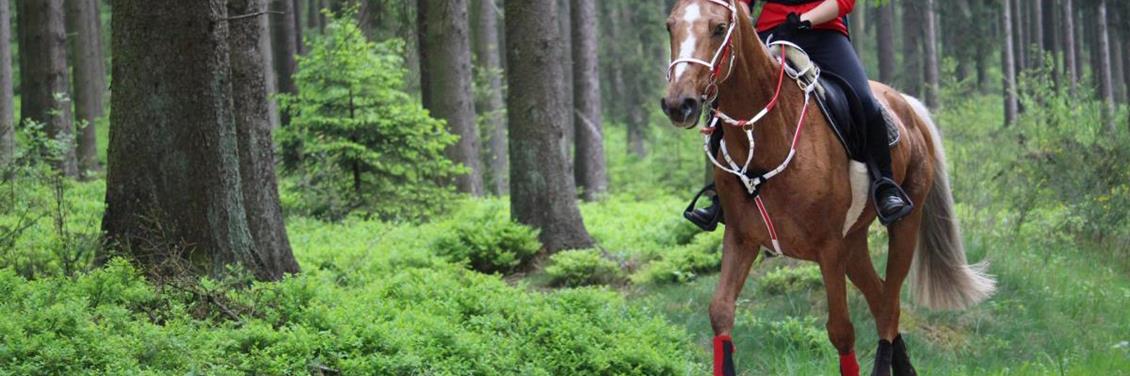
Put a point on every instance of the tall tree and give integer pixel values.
(284, 47)
(248, 39)
(912, 33)
(445, 80)
(492, 107)
(1020, 41)
(1069, 49)
(296, 19)
(7, 120)
(542, 195)
(44, 86)
(85, 24)
(173, 184)
(933, 86)
(564, 9)
(885, 35)
(589, 167)
(1008, 65)
(1106, 82)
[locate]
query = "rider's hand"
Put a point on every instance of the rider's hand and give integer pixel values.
(792, 26)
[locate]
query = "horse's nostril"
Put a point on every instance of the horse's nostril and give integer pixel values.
(690, 105)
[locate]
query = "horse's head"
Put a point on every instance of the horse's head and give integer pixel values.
(702, 33)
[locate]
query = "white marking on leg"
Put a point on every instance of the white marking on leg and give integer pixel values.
(857, 174)
(687, 47)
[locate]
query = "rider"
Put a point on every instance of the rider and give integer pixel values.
(819, 27)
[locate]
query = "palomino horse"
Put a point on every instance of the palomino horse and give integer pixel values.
(806, 211)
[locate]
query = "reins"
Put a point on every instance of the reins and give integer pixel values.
(751, 183)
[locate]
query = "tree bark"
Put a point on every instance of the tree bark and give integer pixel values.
(1104, 75)
(564, 9)
(1069, 48)
(933, 86)
(85, 23)
(284, 48)
(1008, 65)
(252, 110)
(7, 113)
(885, 34)
(1020, 43)
(912, 33)
(590, 172)
(445, 81)
(492, 107)
(542, 195)
(1037, 38)
(296, 18)
(44, 87)
(173, 194)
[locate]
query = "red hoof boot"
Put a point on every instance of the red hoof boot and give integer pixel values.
(848, 365)
(723, 356)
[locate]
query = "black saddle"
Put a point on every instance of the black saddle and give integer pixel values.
(843, 110)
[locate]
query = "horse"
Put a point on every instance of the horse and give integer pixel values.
(813, 208)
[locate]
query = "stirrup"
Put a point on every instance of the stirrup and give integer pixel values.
(884, 183)
(706, 224)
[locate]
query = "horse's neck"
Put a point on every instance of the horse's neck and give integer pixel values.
(750, 88)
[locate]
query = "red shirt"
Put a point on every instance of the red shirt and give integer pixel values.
(774, 14)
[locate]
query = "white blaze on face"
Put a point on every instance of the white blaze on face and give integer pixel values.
(686, 49)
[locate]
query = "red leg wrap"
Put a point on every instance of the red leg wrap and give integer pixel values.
(722, 345)
(848, 365)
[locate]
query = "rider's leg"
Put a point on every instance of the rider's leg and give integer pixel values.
(833, 52)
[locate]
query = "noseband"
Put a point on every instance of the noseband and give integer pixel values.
(713, 65)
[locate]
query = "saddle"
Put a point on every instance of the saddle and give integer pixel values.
(838, 101)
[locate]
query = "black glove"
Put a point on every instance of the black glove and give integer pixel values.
(792, 26)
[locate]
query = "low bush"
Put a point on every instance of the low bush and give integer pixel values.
(791, 279)
(436, 320)
(483, 237)
(684, 263)
(582, 268)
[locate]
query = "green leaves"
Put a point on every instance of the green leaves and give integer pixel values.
(358, 141)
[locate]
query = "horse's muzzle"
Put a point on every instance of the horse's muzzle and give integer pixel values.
(683, 111)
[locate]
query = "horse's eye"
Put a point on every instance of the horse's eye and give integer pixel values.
(719, 30)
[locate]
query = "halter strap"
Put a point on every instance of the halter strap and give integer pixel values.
(715, 68)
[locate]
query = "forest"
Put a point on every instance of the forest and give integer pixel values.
(490, 187)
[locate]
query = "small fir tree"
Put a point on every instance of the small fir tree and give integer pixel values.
(357, 141)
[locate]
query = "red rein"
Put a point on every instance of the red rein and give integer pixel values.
(772, 102)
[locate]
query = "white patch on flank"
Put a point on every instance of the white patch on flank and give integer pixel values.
(857, 174)
(687, 47)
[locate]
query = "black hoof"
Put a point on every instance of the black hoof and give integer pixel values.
(900, 361)
(883, 359)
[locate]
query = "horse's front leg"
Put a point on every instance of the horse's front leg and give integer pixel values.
(737, 257)
(833, 268)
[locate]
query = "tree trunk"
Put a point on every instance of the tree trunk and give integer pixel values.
(1008, 65)
(173, 189)
(933, 86)
(284, 48)
(634, 87)
(564, 10)
(1037, 38)
(296, 18)
(857, 23)
(885, 32)
(44, 86)
(7, 113)
(590, 172)
(1069, 56)
(1020, 43)
(912, 26)
(85, 23)
(492, 107)
(252, 110)
(542, 195)
(313, 12)
(445, 81)
(1104, 75)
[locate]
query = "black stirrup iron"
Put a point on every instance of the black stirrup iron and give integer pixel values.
(706, 218)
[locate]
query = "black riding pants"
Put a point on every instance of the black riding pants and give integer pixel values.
(833, 52)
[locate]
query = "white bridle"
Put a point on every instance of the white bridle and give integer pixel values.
(713, 64)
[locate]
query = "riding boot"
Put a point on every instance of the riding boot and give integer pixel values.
(891, 202)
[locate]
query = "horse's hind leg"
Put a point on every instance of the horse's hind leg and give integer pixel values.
(737, 257)
(833, 268)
